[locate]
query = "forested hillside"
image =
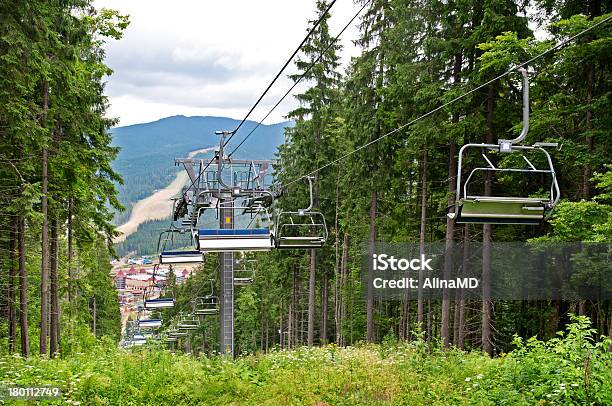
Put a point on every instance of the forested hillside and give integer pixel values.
(147, 151)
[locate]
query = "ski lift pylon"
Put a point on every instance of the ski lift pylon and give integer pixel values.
(475, 208)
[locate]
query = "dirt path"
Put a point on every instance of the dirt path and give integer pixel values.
(157, 206)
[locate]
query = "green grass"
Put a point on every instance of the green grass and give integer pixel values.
(573, 369)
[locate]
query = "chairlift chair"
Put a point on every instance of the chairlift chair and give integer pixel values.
(171, 246)
(302, 229)
(188, 322)
(149, 323)
(195, 204)
(180, 257)
(158, 303)
(244, 276)
(176, 333)
(253, 237)
(206, 305)
(473, 208)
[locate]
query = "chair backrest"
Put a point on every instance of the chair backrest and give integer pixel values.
(473, 207)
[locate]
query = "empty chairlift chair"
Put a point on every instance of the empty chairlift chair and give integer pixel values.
(174, 333)
(224, 240)
(206, 305)
(149, 323)
(180, 257)
(244, 276)
(477, 208)
(168, 339)
(160, 302)
(188, 322)
(139, 338)
(172, 246)
(302, 229)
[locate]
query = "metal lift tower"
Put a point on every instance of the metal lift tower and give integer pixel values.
(218, 187)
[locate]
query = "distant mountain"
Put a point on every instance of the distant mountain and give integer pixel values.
(146, 160)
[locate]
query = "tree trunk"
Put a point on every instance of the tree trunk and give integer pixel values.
(370, 300)
(420, 310)
(450, 223)
(610, 330)
(311, 296)
(290, 321)
(44, 269)
(405, 319)
(449, 245)
(23, 289)
(337, 271)
(54, 337)
(428, 330)
(343, 283)
(70, 254)
(12, 300)
(456, 317)
(95, 318)
(313, 257)
(587, 171)
(459, 339)
(487, 237)
(324, 308)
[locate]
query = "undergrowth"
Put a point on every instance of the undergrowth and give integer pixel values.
(573, 368)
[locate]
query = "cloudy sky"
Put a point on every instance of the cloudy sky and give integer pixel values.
(209, 57)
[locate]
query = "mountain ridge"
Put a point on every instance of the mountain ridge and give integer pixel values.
(147, 150)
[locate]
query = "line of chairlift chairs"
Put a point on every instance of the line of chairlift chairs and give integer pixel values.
(301, 229)
(306, 229)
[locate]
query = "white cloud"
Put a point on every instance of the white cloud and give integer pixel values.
(209, 58)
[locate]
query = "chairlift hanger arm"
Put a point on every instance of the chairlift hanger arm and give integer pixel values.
(525, 128)
(310, 201)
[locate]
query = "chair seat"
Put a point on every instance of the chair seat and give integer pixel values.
(158, 303)
(300, 242)
(222, 240)
(180, 257)
(236, 232)
(501, 210)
